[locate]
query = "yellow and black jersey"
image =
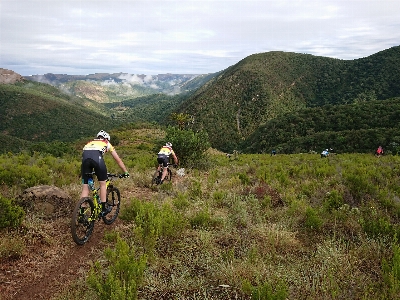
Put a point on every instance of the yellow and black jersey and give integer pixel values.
(166, 151)
(100, 145)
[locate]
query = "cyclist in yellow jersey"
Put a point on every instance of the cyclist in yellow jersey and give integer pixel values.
(163, 159)
(92, 160)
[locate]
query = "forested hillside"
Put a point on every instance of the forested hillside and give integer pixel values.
(154, 108)
(265, 86)
(358, 127)
(36, 112)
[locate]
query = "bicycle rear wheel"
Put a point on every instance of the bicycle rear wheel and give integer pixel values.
(82, 223)
(113, 204)
(156, 179)
(168, 177)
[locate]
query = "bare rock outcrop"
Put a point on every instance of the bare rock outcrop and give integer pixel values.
(8, 76)
(46, 201)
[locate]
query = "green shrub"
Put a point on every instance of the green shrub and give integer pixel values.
(377, 225)
(190, 146)
(204, 220)
(56, 149)
(153, 222)
(313, 220)
(195, 191)
(333, 200)
(266, 291)
(181, 201)
(391, 273)
(359, 184)
(11, 215)
(11, 248)
(244, 178)
(219, 198)
(124, 275)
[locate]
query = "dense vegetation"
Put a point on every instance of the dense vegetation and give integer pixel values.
(358, 127)
(253, 226)
(34, 112)
(263, 87)
(154, 108)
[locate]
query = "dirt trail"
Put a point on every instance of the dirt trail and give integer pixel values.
(62, 269)
(53, 261)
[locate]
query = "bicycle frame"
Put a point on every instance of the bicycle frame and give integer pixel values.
(96, 199)
(88, 210)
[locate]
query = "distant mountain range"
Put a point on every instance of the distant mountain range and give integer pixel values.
(274, 100)
(116, 87)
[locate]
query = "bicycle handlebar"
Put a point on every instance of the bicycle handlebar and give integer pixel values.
(110, 175)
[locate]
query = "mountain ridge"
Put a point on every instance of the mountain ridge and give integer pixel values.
(264, 86)
(233, 104)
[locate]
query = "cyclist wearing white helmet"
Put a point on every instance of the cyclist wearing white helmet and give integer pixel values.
(92, 160)
(163, 159)
(325, 153)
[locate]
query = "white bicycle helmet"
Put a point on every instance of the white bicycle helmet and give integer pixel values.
(103, 134)
(168, 144)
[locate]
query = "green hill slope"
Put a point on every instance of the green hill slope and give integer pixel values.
(40, 113)
(264, 86)
(357, 127)
(153, 108)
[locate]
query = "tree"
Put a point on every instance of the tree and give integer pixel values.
(190, 146)
(181, 119)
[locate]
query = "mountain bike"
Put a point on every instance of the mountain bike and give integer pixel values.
(88, 209)
(156, 180)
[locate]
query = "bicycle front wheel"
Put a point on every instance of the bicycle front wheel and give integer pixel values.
(82, 223)
(112, 205)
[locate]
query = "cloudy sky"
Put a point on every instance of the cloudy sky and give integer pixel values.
(80, 37)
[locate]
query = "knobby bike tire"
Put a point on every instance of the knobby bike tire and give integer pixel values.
(156, 178)
(113, 202)
(169, 175)
(81, 226)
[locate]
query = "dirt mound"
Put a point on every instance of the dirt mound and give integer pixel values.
(46, 201)
(8, 76)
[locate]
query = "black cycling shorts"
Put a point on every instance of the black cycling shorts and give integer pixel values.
(92, 160)
(163, 160)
